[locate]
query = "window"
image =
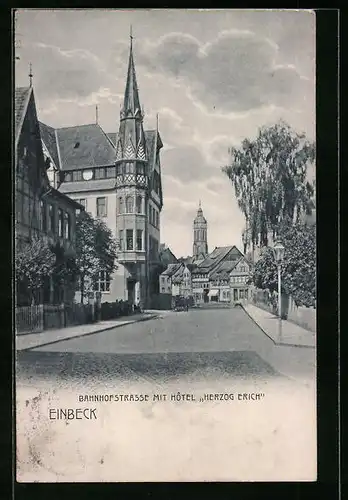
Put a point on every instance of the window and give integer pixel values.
(82, 202)
(60, 222)
(100, 173)
(101, 207)
(129, 168)
(43, 216)
(118, 169)
(139, 204)
(153, 216)
(140, 169)
(68, 177)
(139, 239)
(111, 172)
(157, 219)
(67, 226)
(51, 218)
(77, 175)
(103, 282)
(241, 294)
(246, 293)
(242, 269)
(129, 204)
(129, 236)
(120, 238)
(120, 205)
(163, 289)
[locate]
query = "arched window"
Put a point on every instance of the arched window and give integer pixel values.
(120, 205)
(139, 204)
(129, 204)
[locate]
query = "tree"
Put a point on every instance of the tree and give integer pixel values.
(298, 268)
(269, 175)
(95, 251)
(34, 262)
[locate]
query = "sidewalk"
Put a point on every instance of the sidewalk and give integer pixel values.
(292, 335)
(32, 340)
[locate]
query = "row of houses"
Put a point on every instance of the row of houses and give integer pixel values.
(223, 276)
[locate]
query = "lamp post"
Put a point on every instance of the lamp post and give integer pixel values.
(278, 250)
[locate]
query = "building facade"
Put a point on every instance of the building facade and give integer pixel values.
(176, 281)
(229, 281)
(116, 177)
(215, 268)
(42, 212)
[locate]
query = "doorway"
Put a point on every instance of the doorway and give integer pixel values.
(131, 290)
(205, 295)
(235, 294)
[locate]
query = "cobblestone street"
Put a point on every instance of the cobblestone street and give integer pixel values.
(202, 341)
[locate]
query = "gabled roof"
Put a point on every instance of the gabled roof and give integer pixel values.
(48, 136)
(166, 255)
(172, 269)
(216, 256)
(223, 270)
(84, 146)
(22, 96)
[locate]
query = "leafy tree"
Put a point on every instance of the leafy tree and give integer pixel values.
(298, 267)
(96, 250)
(269, 175)
(34, 263)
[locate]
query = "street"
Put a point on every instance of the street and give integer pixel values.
(201, 342)
(237, 424)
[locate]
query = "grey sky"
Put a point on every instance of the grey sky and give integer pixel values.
(214, 77)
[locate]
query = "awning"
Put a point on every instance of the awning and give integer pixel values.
(213, 293)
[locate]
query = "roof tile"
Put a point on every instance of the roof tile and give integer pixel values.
(81, 186)
(21, 97)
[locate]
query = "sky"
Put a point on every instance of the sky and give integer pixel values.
(213, 76)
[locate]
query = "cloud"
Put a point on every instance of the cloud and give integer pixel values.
(238, 71)
(187, 164)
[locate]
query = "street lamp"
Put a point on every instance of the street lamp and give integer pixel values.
(279, 250)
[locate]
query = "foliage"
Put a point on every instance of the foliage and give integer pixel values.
(34, 262)
(95, 250)
(269, 175)
(298, 267)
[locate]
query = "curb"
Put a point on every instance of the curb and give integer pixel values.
(285, 344)
(89, 333)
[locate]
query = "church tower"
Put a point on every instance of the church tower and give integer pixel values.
(138, 191)
(200, 242)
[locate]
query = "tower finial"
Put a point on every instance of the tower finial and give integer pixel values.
(157, 122)
(96, 114)
(200, 206)
(30, 75)
(131, 35)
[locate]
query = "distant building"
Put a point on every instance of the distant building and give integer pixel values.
(203, 272)
(176, 280)
(166, 256)
(229, 281)
(116, 177)
(41, 210)
(200, 236)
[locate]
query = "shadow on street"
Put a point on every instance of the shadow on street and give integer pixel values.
(160, 366)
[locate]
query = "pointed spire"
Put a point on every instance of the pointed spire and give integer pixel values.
(157, 122)
(30, 75)
(131, 96)
(200, 206)
(96, 114)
